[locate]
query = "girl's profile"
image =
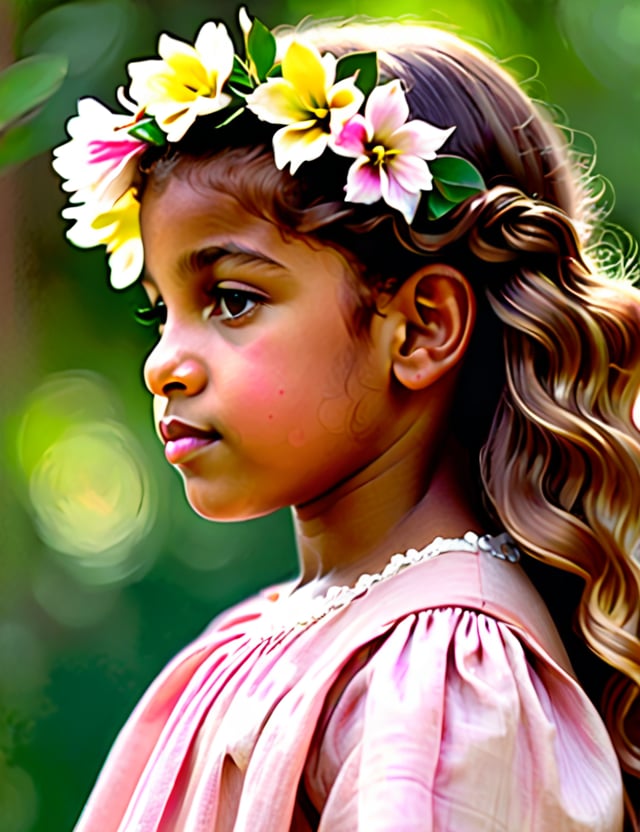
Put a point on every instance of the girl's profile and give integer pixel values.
(369, 257)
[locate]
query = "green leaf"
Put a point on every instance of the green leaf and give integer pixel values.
(27, 84)
(438, 205)
(240, 74)
(261, 48)
(362, 64)
(275, 71)
(89, 33)
(456, 178)
(148, 131)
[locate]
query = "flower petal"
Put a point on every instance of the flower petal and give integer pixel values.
(352, 139)
(244, 21)
(277, 102)
(387, 109)
(303, 67)
(118, 228)
(115, 227)
(215, 49)
(82, 233)
(175, 123)
(126, 263)
(420, 138)
(410, 172)
(144, 85)
(298, 143)
(344, 100)
(363, 182)
(170, 47)
(396, 196)
(99, 161)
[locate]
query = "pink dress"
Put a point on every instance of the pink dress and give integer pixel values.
(436, 698)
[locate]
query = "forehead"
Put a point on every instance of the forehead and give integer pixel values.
(182, 211)
(181, 218)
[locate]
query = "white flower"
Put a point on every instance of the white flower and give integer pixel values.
(187, 81)
(118, 228)
(307, 101)
(99, 162)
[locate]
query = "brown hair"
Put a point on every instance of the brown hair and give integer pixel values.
(555, 362)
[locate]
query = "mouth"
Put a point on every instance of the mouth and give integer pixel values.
(183, 440)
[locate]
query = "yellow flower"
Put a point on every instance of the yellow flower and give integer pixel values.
(118, 228)
(307, 101)
(187, 82)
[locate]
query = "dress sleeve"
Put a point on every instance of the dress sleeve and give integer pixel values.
(450, 724)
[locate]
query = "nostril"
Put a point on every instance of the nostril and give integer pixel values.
(173, 386)
(167, 373)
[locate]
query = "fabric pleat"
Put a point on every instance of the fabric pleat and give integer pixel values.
(441, 699)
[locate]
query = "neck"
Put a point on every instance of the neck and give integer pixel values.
(397, 503)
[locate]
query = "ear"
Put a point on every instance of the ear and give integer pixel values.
(432, 315)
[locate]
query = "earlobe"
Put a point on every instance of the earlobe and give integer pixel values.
(434, 316)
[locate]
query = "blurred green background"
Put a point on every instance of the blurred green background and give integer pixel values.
(104, 571)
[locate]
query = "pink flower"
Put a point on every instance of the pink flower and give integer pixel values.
(390, 152)
(99, 161)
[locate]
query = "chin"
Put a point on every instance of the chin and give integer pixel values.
(224, 508)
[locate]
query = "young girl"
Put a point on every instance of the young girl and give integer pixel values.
(365, 251)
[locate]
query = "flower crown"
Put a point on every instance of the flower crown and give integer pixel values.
(322, 104)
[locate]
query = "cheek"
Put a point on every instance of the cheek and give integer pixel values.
(283, 395)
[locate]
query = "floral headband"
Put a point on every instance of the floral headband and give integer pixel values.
(322, 104)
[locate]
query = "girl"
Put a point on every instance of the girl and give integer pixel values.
(365, 251)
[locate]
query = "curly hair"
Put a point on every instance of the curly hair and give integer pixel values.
(554, 365)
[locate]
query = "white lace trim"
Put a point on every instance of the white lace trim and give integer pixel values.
(299, 611)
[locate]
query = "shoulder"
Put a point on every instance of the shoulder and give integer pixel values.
(470, 579)
(474, 729)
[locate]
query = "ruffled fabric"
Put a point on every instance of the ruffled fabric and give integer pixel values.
(451, 725)
(392, 714)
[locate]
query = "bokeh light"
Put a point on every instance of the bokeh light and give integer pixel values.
(606, 37)
(88, 485)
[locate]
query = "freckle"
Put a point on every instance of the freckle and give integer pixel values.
(281, 392)
(270, 416)
(418, 376)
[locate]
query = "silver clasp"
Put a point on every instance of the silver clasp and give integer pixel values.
(500, 546)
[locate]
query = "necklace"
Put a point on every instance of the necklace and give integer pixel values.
(299, 611)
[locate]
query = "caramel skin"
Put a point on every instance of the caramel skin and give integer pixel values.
(350, 430)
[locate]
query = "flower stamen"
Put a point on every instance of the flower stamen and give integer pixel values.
(379, 154)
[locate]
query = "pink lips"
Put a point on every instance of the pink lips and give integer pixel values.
(184, 439)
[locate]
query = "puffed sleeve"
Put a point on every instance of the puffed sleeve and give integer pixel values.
(450, 724)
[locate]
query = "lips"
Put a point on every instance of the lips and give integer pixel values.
(184, 439)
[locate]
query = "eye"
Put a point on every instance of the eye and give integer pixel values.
(155, 315)
(231, 304)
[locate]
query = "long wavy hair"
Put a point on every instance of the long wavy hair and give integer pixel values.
(554, 366)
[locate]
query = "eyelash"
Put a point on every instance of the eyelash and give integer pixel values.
(156, 315)
(224, 296)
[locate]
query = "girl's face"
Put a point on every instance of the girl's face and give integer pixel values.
(263, 395)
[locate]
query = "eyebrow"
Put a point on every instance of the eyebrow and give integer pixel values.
(195, 260)
(201, 258)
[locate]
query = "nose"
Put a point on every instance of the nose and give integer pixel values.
(168, 370)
